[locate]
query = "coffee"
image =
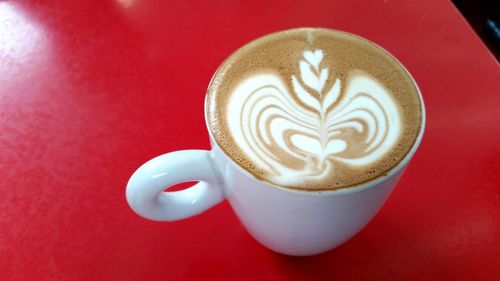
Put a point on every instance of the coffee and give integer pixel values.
(314, 109)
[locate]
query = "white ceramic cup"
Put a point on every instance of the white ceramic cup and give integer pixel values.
(287, 221)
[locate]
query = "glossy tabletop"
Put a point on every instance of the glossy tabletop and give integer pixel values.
(89, 90)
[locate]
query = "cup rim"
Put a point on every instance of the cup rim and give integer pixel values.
(342, 190)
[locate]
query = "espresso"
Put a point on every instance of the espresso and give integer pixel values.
(314, 109)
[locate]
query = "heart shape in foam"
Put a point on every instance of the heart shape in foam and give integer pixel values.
(291, 141)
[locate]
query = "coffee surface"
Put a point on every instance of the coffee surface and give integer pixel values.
(313, 109)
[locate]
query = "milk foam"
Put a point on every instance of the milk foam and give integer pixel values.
(301, 135)
(314, 109)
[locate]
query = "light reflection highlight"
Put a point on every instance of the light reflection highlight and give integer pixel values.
(20, 38)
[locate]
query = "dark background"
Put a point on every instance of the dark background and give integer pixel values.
(477, 12)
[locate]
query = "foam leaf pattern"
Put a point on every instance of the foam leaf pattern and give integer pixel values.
(301, 135)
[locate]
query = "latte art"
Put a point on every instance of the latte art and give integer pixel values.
(313, 109)
(299, 136)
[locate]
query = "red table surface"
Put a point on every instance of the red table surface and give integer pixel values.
(89, 90)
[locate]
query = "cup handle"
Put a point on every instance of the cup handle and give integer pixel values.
(145, 189)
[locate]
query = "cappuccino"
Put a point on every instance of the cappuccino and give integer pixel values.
(314, 109)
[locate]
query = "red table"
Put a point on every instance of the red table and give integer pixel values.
(89, 90)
